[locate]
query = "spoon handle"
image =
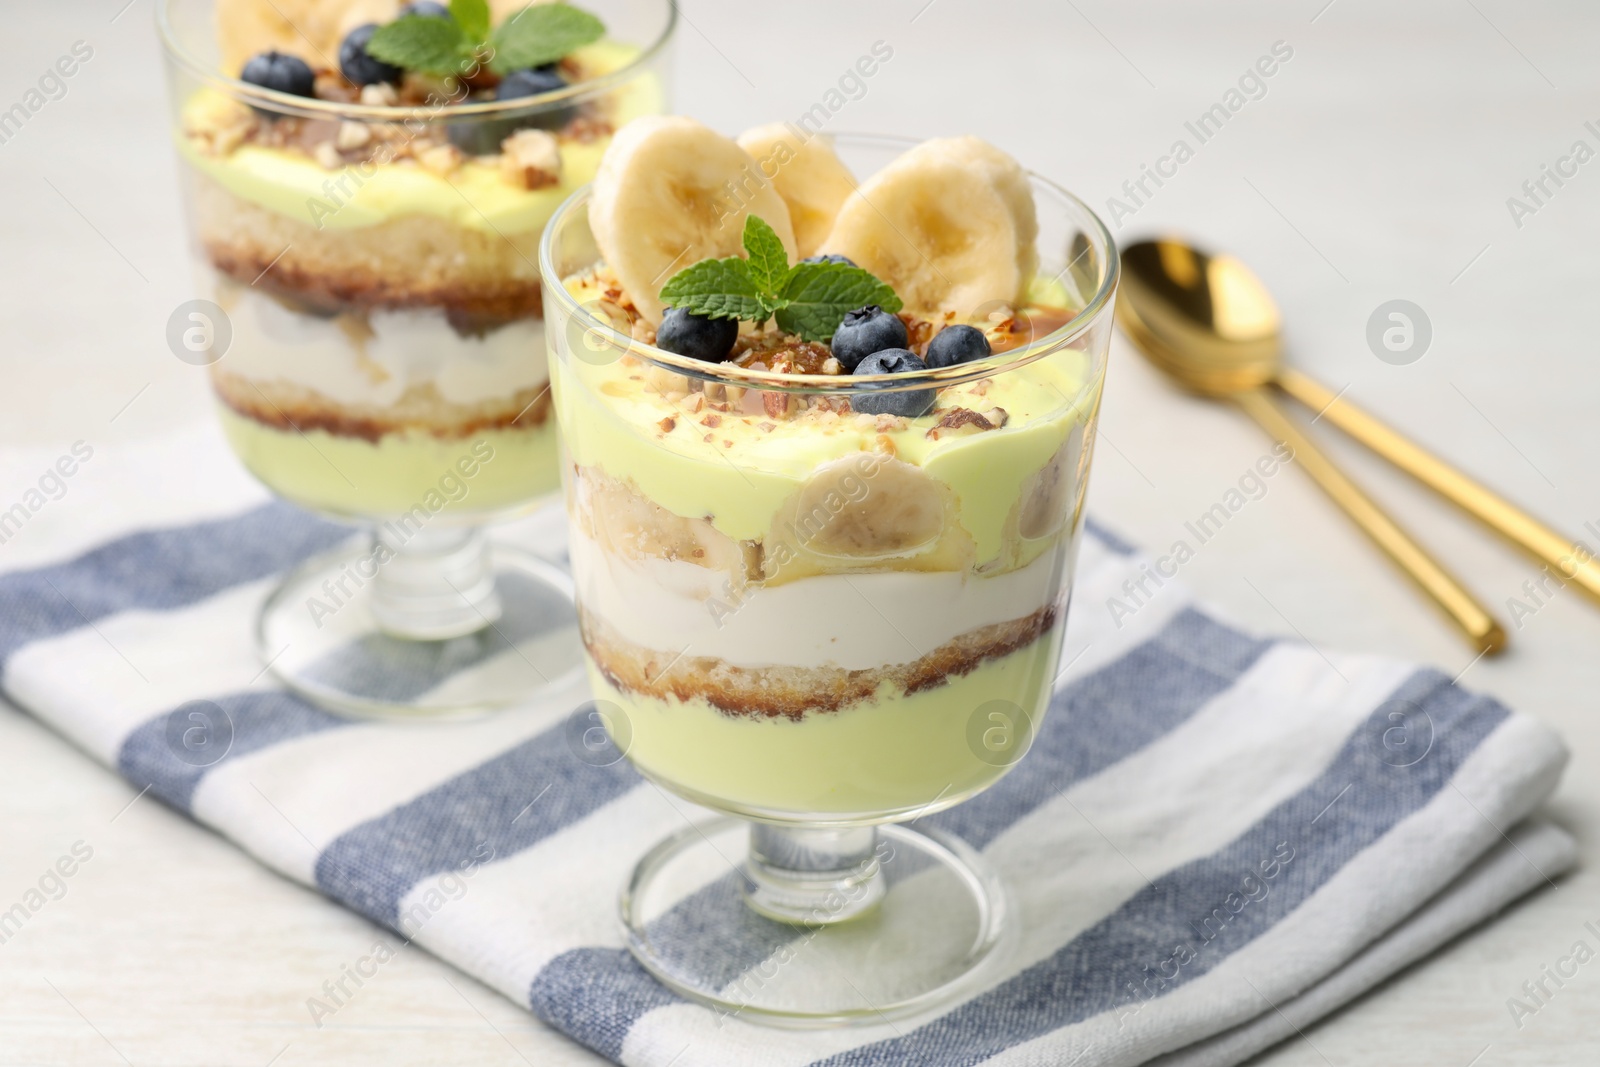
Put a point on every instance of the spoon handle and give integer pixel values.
(1569, 560)
(1463, 608)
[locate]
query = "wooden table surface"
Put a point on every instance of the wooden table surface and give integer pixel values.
(1377, 163)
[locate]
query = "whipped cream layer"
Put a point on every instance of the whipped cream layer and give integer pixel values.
(853, 622)
(376, 362)
(476, 195)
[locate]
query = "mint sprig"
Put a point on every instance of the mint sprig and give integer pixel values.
(809, 299)
(540, 34)
(531, 37)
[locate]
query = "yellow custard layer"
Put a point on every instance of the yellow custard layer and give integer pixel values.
(745, 479)
(898, 755)
(489, 473)
(477, 195)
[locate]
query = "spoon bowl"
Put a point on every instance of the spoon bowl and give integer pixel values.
(1206, 320)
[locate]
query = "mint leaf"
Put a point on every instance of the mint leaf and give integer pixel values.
(472, 16)
(816, 297)
(769, 263)
(429, 45)
(718, 289)
(540, 34)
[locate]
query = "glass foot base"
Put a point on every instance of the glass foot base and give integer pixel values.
(326, 633)
(813, 928)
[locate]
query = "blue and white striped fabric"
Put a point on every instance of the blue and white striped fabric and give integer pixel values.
(1216, 837)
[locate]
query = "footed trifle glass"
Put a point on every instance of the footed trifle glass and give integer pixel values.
(823, 624)
(366, 237)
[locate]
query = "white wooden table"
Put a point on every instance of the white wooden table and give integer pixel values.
(1376, 166)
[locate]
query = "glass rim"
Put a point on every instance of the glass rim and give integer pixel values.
(289, 104)
(1081, 322)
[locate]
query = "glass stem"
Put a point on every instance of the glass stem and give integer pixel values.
(433, 584)
(814, 877)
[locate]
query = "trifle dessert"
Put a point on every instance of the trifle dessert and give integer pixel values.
(827, 410)
(367, 181)
(369, 195)
(800, 595)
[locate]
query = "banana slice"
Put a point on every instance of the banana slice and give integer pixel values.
(669, 193)
(1012, 181)
(808, 174)
(950, 224)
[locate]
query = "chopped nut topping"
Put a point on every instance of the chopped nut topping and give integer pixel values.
(694, 403)
(832, 366)
(440, 158)
(667, 424)
(229, 137)
(379, 95)
(957, 422)
(327, 156)
(352, 135)
(777, 405)
(712, 421)
(531, 158)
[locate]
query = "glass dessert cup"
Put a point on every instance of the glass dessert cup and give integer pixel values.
(372, 327)
(825, 627)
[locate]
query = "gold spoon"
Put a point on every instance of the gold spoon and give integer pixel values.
(1208, 323)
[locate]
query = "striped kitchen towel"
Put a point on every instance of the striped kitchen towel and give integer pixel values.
(1216, 838)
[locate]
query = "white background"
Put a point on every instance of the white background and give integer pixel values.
(1377, 166)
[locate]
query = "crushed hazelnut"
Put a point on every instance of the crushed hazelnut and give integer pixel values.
(440, 158)
(667, 424)
(712, 421)
(832, 366)
(229, 137)
(352, 135)
(379, 95)
(694, 403)
(327, 156)
(531, 158)
(958, 422)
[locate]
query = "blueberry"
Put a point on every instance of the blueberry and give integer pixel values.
(285, 73)
(425, 9)
(910, 403)
(957, 344)
(535, 81)
(479, 137)
(358, 65)
(830, 258)
(863, 332)
(696, 336)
